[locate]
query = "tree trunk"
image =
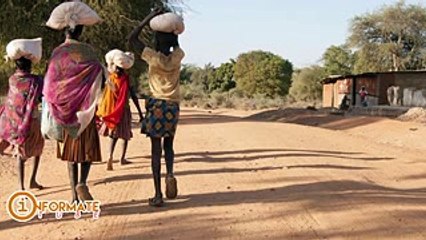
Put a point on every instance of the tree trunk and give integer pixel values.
(395, 62)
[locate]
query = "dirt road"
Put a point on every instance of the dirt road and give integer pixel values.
(245, 179)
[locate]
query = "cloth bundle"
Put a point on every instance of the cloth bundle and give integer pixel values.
(50, 129)
(71, 14)
(27, 48)
(168, 22)
(117, 58)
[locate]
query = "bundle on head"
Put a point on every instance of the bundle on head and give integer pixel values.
(119, 59)
(168, 23)
(71, 14)
(30, 49)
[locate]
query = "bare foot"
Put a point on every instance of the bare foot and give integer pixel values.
(125, 162)
(109, 165)
(156, 201)
(35, 185)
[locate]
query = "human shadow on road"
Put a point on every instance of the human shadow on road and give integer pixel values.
(235, 156)
(247, 151)
(197, 156)
(261, 154)
(300, 116)
(133, 177)
(323, 195)
(328, 166)
(197, 119)
(415, 177)
(319, 196)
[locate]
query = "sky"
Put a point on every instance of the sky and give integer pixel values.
(297, 30)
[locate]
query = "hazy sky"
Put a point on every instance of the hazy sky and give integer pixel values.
(298, 30)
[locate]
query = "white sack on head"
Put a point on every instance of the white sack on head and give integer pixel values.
(71, 14)
(27, 48)
(168, 22)
(117, 58)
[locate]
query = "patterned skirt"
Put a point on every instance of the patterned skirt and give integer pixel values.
(85, 148)
(161, 118)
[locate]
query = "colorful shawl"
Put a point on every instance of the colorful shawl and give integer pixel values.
(17, 113)
(72, 86)
(114, 100)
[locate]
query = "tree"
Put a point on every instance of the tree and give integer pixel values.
(120, 17)
(203, 77)
(186, 73)
(223, 77)
(395, 34)
(306, 85)
(371, 59)
(338, 60)
(259, 72)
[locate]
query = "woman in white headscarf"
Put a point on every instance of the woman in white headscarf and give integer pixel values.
(114, 109)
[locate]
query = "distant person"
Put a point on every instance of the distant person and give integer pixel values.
(162, 109)
(72, 87)
(364, 97)
(114, 109)
(344, 105)
(398, 95)
(20, 116)
(390, 92)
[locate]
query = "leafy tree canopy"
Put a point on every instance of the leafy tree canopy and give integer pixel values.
(263, 73)
(394, 34)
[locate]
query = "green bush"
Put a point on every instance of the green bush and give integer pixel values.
(218, 99)
(259, 72)
(306, 84)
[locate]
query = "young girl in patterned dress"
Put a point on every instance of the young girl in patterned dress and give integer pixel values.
(162, 108)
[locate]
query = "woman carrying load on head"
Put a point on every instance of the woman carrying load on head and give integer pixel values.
(114, 109)
(19, 116)
(162, 109)
(72, 89)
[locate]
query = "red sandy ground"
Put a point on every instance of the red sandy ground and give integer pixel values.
(277, 175)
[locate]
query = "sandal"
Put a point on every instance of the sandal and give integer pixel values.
(83, 193)
(171, 187)
(156, 201)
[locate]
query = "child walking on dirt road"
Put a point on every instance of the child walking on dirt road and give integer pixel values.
(162, 108)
